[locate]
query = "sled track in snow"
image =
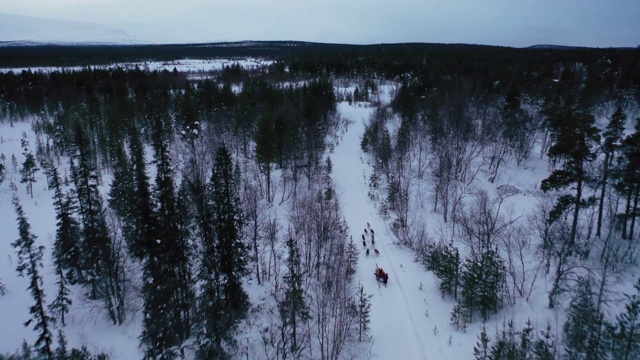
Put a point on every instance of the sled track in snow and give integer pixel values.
(395, 276)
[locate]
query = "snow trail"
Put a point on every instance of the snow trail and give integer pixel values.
(390, 323)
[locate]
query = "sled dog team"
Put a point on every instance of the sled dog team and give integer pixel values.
(369, 231)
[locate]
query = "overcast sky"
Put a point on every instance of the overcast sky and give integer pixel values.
(599, 23)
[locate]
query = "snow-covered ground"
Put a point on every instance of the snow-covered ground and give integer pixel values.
(409, 318)
(183, 65)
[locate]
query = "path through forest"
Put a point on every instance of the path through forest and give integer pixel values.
(400, 326)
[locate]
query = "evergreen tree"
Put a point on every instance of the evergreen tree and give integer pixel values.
(505, 346)
(363, 311)
(102, 261)
(293, 308)
(612, 138)
(625, 336)
(67, 252)
(61, 351)
(59, 307)
(167, 291)
(482, 351)
(3, 173)
(575, 135)
(483, 280)
(223, 301)
(444, 261)
(29, 261)
(584, 326)
(628, 180)
(459, 316)
(351, 255)
(543, 348)
(29, 167)
(265, 150)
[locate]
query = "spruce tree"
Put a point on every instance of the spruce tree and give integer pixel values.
(223, 301)
(482, 286)
(29, 261)
(293, 308)
(612, 138)
(482, 351)
(67, 251)
(628, 180)
(363, 311)
(29, 167)
(3, 173)
(102, 261)
(59, 307)
(584, 326)
(625, 336)
(543, 348)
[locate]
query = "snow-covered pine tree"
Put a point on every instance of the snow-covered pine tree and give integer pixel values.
(102, 260)
(575, 138)
(29, 167)
(459, 316)
(612, 139)
(29, 261)
(482, 285)
(222, 301)
(444, 261)
(625, 336)
(482, 351)
(584, 327)
(505, 347)
(2, 173)
(363, 311)
(292, 307)
(67, 243)
(352, 258)
(544, 346)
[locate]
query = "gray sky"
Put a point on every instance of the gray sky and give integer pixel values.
(599, 23)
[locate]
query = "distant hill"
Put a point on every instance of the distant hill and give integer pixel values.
(21, 30)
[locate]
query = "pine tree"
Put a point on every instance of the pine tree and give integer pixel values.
(482, 351)
(575, 135)
(59, 307)
(351, 255)
(544, 346)
(628, 180)
(363, 311)
(167, 292)
(67, 243)
(612, 137)
(459, 316)
(293, 308)
(505, 346)
(625, 336)
(29, 261)
(3, 173)
(61, 351)
(224, 262)
(444, 261)
(584, 326)
(102, 261)
(29, 167)
(265, 150)
(483, 280)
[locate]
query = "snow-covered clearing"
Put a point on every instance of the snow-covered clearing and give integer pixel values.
(193, 66)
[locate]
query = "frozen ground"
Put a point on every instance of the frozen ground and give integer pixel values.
(409, 319)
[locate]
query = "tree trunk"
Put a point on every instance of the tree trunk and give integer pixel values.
(605, 175)
(634, 212)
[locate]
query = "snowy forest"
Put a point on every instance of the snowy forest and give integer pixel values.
(157, 212)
